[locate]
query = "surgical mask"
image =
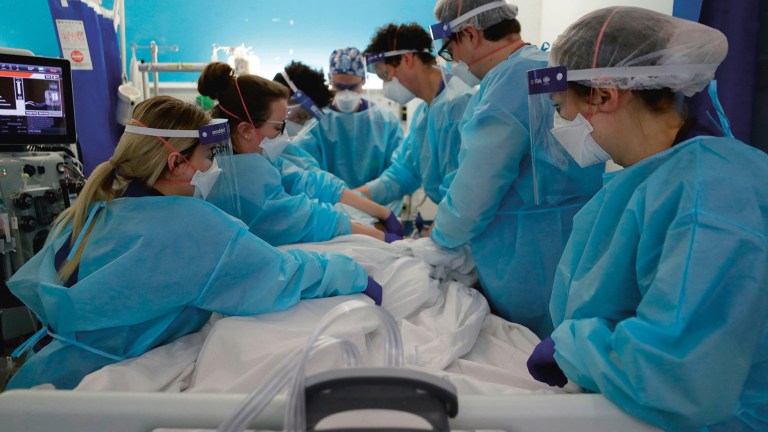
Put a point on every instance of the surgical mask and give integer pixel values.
(576, 137)
(347, 101)
(461, 70)
(273, 147)
(397, 92)
(204, 181)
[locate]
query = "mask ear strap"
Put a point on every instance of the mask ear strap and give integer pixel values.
(163, 140)
(597, 50)
(239, 93)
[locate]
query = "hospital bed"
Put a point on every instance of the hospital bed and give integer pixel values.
(39, 410)
(446, 328)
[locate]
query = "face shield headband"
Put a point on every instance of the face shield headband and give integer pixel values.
(372, 59)
(608, 76)
(142, 129)
(446, 29)
(303, 99)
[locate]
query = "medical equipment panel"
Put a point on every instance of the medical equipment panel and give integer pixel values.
(35, 187)
(36, 105)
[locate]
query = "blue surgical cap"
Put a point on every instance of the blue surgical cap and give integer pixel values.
(346, 61)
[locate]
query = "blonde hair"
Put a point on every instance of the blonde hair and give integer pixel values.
(137, 158)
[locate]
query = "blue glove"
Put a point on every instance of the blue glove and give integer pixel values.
(393, 225)
(542, 365)
(390, 237)
(373, 291)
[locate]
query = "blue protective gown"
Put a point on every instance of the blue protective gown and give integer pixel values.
(403, 176)
(320, 185)
(300, 158)
(153, 270)
(431, 149)
(444, 138)
(661, 296)
(490, 203)
(282, 209)
(355, 147)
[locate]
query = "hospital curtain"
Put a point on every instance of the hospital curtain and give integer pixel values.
(94, 81)
(739, 20)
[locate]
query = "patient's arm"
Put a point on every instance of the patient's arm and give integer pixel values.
(364, 205)
(364, 190)
(367, 230)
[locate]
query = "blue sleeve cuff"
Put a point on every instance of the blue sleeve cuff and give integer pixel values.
(343, 225)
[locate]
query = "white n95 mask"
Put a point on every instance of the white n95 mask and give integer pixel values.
(576, 137)
(272, 147)
(396, 91)
(347, 100)
(204, 181)
(461, 70)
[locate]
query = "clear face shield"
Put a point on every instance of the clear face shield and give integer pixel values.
(561, 137)
(441, 42)
(558, 150)
(220, 178)
(215, 135)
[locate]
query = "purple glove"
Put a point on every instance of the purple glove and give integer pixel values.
(373, 290)
(393, 225)
(419, 222)
(390, 237)
(542, 365)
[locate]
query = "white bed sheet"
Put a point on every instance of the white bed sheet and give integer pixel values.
(446, 327)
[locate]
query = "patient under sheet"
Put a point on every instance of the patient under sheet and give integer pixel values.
(446, 327)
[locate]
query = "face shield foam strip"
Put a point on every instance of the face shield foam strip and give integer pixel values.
(452, 25)
(174, 133)
(640, 71)
(404, 51)
(374, 58)
(290, 83)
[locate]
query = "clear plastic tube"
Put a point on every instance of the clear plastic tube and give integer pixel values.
(295, 412)
(255, 403)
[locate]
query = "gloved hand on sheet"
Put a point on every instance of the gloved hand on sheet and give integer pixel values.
(419, 222)
(542, 365)
(374, 291)
(393, 225)
(391, 237)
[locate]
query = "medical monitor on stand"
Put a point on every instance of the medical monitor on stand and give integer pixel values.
(36, 106)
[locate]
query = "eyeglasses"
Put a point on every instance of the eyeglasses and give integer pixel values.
(383, 72)
(281, 123)
(340, 86)
(444, 53)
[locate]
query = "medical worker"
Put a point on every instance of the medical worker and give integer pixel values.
(401, 56)
(137, 262)
(661, 296)
(356, 138)
(303, 110)
(281, 207)
(313, 84)
(309, 95)
(490, 203)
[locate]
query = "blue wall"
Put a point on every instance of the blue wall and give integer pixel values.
(278, 30)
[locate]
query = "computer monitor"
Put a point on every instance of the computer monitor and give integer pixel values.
(36, 106)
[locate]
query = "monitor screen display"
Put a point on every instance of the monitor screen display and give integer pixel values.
(36, 104)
